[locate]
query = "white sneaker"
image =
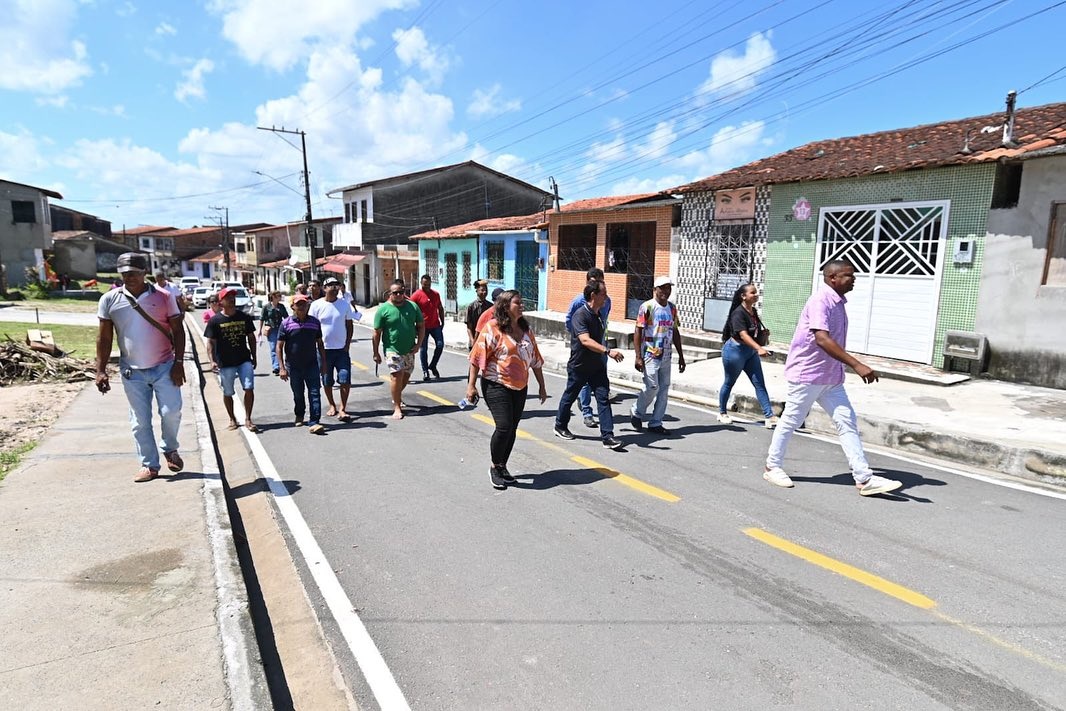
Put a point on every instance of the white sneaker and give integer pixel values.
(724, 418)
(878, 485)
(778, 477)
(770, 422)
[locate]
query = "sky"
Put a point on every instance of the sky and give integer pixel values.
(148, 113)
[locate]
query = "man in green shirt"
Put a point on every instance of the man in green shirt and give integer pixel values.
(398, 324)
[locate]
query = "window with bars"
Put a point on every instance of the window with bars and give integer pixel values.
(466, 270)
(577, 247)
(432, 264)
(494, 252)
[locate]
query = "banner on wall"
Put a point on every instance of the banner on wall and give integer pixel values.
(736, 204)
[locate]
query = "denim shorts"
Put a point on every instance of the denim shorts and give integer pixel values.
(339, 360)
(245, 371)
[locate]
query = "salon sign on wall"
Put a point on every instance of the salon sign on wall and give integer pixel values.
(801, 209)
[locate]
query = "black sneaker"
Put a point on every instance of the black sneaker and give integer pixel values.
(425, 376)
(505, 475)
(435, 373)
(611, 443)
(636, 423)
(563, 433)
(498, 482)
(659, 430)
(590, 422)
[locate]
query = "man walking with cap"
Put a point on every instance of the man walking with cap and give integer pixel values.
(654, 337)
(151, 343)
(489, 313)
(428, 300)
(231, 347)
(335, 315)
(815, 374)
(477, 307)
(302, 360)
(584, 398)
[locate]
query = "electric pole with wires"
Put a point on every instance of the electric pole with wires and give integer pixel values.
(309, 228)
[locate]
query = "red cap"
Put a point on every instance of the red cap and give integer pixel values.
(299, 297)
(226, 292)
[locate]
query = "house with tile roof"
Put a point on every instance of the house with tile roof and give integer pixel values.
(953, 226)
(630, 237)
(25, 231)
(510, 252)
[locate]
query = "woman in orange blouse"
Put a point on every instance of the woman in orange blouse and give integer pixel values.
(504, 353)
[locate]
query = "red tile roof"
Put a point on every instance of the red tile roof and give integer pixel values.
(144, 230)
(63, 235)
(1040, 128)
(493, 224)
(189, 231)
(602, 203)
(214, 255)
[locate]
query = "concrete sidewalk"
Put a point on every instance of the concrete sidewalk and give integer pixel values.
(119, 595)
(1008, 429)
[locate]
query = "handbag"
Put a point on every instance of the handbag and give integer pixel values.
(762, 334)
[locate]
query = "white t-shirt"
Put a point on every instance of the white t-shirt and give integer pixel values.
(139, 342)
(333, 317)
(171, 288)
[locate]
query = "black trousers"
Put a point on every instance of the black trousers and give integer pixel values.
(507, 406)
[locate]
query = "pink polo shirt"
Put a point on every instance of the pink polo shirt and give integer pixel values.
(807, 363)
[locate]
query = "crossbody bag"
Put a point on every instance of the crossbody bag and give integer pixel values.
(158, 326)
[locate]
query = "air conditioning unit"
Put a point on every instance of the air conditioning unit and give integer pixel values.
(965, 352)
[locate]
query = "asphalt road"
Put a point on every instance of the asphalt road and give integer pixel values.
(667, 574)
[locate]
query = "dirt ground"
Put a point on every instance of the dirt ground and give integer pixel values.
(27, 411)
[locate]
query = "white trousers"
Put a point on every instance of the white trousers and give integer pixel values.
(834, 400)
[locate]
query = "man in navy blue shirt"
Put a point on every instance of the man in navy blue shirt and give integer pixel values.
(584, 398)
(587, 367)
(302, 359)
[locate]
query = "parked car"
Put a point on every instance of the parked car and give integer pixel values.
(188, 283)
(199, 296)
(244, 299)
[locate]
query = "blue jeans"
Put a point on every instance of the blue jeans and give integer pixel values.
(306, 379)
(600, 387)
(738, 358)
(272, 339)
(656, 387)
(139, 386)
(584, 398)
(438, 347)
(338, 361)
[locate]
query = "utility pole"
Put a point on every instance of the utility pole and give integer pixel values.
(225, 235)
(309, 229)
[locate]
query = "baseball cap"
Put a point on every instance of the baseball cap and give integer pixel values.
(226, 292)
(663, 281)
(297, 298)
(132, 262)
(496, 293)
(331, 281)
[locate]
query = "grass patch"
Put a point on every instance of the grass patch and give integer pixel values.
(85, 306)
(80, 341)
(11, 458)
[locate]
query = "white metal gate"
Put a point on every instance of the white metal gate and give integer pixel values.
(898, 253)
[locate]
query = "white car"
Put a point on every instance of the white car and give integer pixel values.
(244, 299)
(199, 296)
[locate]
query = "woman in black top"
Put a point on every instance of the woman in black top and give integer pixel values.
(741, 352)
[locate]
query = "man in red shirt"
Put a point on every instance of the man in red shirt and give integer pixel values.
(433, 316)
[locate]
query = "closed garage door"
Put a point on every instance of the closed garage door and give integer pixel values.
(898, 252)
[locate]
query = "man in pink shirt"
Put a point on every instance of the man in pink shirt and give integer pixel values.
(815, 374)
(428, 301)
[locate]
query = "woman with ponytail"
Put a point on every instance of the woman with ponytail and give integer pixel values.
(742, 335)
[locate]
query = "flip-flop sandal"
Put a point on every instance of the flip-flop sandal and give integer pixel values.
(233, 426)
(251, 428)
(344, 418)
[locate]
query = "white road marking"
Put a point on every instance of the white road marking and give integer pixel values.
(885, 453)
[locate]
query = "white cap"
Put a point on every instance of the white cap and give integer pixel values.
(663, 281)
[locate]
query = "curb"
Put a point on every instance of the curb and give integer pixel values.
(1025, 463)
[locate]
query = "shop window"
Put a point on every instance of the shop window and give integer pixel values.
(577, 247)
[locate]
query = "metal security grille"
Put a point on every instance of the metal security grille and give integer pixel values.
(432, 265)
(729, 259)
(466, 270)
(451, 273)
(527, 275)
(494, 253)
(903, 241)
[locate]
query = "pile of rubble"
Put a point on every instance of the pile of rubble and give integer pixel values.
(21, 364)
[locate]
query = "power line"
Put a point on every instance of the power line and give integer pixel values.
(179, 197)
(1037, 83)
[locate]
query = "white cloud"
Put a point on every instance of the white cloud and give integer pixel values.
(730, 147)
(413, 48)
(632, 186)
(658, 141)
(58, 102)
(126, 9)
(734, 74)
(165, 28)
(192, 83)
(36, 51)
(20, 156)
(279, 33)
(610, 151)
(487, 104)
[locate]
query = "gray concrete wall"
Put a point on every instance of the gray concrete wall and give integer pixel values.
(18, 241)
(75, 258)
(1023, 319)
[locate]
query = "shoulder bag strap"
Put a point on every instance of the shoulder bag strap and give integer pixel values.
(158, 326)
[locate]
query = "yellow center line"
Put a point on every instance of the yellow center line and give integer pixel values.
(609, 473)
(360, 366)
(848, 571)
(629, 481)
(435, 398)
(1009, 646)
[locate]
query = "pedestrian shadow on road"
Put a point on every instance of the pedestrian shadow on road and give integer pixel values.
(184, 476)
(557, 477)
(910, 480)
(366, 383)
(687, 430)
(260, 485)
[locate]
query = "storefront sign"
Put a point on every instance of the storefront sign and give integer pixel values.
(801, 209)
(735, 204)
